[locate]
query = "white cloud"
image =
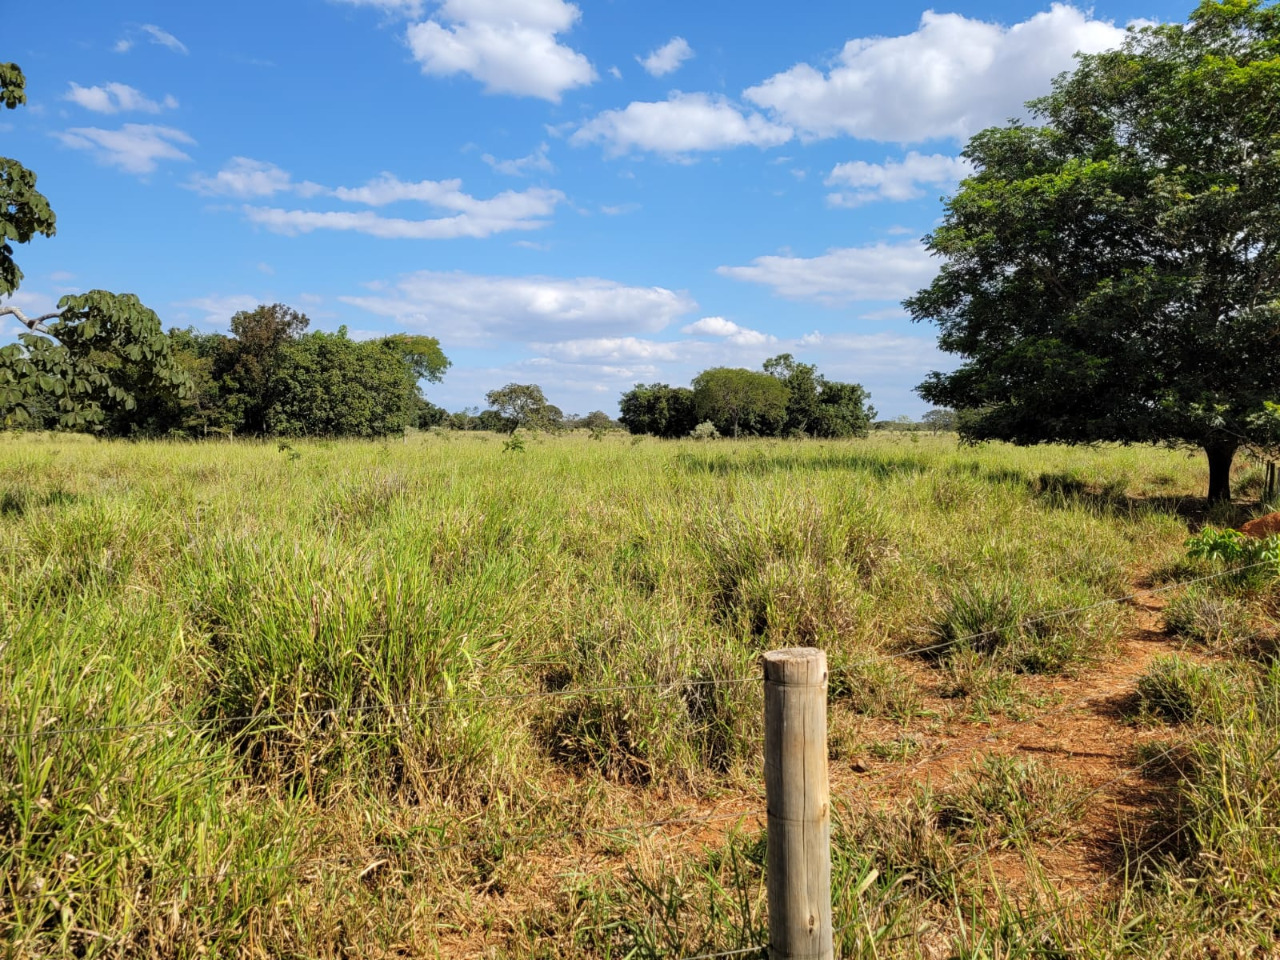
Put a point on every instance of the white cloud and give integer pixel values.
(469, 309)
(667, 58)
(678, 125)
(134, 148)
(508, 45)
(294, 222)
(508, 206)
(522, 166)
(950, 78)
(610, 350)
(116, 98)
(881, 271)
(410, 8)
(720, 327)
(217, 310)
(615, 73)
(895, 180)
(164, 38)
(244, 177)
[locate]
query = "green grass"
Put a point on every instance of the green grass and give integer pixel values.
(300, 672)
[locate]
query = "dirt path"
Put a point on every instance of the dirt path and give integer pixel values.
(1089, 736)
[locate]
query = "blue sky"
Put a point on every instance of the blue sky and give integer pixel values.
(583, 196)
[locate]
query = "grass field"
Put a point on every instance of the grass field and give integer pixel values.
(395, 699)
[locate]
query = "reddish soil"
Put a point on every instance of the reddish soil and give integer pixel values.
(1263, 527)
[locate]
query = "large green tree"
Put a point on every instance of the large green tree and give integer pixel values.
(524, 405)
(1112, 272)
(817, 406)
(738, 400)
(658, 409)
(326, 384)
(99, 352)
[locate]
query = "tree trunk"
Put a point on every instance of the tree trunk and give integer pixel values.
(1220, 457)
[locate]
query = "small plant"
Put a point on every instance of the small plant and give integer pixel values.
(1010, 799)
(513, 444)
(1204, 618)
(1232, 546)
(286, 448)
(706, 430)
(1177, 691)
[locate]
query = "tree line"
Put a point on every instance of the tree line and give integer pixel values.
(785, 398)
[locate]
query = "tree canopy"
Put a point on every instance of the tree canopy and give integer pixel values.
(524, 405)
(100, 351)
(735, 399)
(789, 397)
(659, 410)
(1112, 272)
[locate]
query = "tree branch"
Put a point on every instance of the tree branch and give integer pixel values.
(34, 324)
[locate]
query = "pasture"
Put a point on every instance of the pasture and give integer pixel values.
(436, 697)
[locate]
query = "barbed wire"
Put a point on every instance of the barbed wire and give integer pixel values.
(675, 686)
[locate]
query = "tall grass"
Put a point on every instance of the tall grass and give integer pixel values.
(323, 704)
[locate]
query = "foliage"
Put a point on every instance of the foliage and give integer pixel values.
(743, 400)
(1233, 548)
(706, 430)
(524, 405)
(102, 354)
(326, 384)
(735, 400)
(659, 410)
(1113, 274)
(819, 407)
(24, 210)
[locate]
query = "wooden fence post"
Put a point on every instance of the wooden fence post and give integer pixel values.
(795, 782)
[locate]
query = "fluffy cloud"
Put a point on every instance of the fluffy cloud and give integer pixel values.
(894, 179)
(217, 310)
(730, 331)
(116, 98)
(681, 124)
(522, 166)
(134, 148)
(667, 58)
(611, 350)
(508, 45)
(293, 222)
(244, 177)
(469, 309)
(950, 78)
(882, 271)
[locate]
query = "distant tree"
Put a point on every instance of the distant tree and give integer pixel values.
(524, 405)
(803, 387)
(598, 420)
(735, 399)
(99, 351)
(1113, 274)
(326, 384)
(940, 420)
(842, 411)
(493, 421)
(422, 354)
(254, 353)
(658, 409)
